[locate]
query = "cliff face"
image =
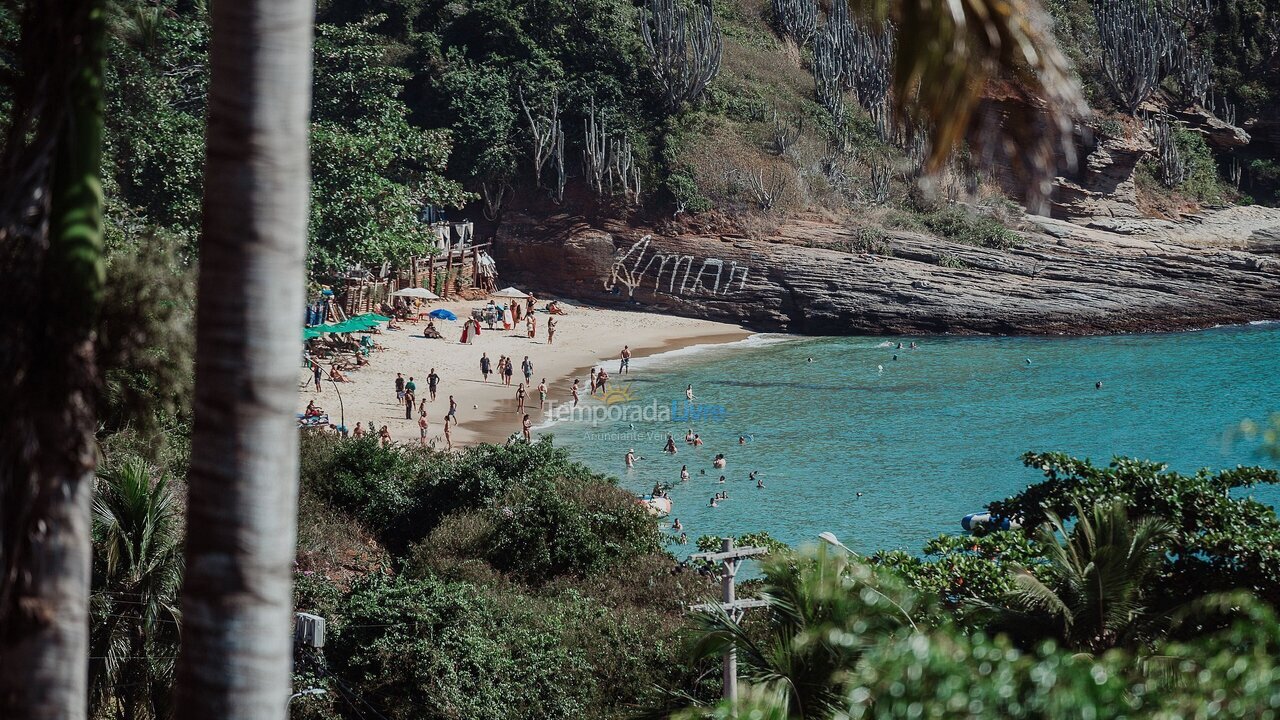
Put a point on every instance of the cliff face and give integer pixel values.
(1063, 279)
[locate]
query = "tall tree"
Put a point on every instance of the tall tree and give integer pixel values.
(137, 567)
(51, 269)
(236, 649)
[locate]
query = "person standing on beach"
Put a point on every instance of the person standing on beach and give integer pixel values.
(532, 324)
(591, 390)
(551, 330)
(527, 367)
(408, 404)
(315, 371)
(384, 437)
(423, 424)
(625, 365)
(602, 377)
(399, 388)
(526, 429)
(411, 386)
(507, 371)
(453, 409)
(484, 368)
(542, 393)
(432, 381)
(574, 392)
(358, 431)
(449, 422)
(520, 393)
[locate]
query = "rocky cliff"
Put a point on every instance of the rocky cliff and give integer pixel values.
(1062, 279)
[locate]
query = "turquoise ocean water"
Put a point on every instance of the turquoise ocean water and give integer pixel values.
(934, 435)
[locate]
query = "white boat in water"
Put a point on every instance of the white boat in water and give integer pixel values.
(657, 506)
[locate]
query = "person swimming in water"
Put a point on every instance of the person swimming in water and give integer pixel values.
(688, 393)
(676, 525)
(1097, 385)
(742, 440)
(671, 445)
(684, 473)
(688, 437)
(631, 458)
(721, 480)
(719, 462)
(760, 483)
(697, 441)
(713, 502)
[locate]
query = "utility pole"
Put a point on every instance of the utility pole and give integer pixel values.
(730, 559)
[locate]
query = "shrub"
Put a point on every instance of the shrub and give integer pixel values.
(401, 493)
(959, 225)
(542, 530)
(429, 648)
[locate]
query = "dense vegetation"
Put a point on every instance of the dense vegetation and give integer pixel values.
(434, 104)
(511, 581)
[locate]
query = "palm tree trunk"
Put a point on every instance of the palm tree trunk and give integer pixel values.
(51, 268)
(236, 640)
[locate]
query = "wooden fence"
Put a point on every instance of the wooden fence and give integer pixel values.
(447, 275)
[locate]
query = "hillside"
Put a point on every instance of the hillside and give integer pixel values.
(511, 111)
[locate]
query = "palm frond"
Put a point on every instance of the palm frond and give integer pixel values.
(949, 49)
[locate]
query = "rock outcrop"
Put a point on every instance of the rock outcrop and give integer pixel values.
(1103, 186)
(1063, 278)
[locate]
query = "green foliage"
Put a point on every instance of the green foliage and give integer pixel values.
(960, 225)
(1221, 541)
(823, 613)
(960, 569)
(145, 341)
(137, 570)
(838, 646)
(430, 648)
(713, 543)
(1096, 591)
(526, 510)
(1202, 181)
(372, 170)
(544, 529)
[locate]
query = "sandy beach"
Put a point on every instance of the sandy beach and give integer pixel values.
(585, 337)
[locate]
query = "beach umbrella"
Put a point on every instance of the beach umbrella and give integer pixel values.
(373, 317)
(509, 292)
(420, 293)
(442, 314)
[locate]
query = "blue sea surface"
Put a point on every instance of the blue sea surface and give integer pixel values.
(933, 435)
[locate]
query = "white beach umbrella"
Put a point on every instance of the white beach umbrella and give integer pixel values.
(509, 292)
(421, 293)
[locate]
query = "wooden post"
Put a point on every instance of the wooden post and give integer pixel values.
(730, 655)
(448, 270)
(730, 558)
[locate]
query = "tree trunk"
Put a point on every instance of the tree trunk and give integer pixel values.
(52, 272)
(242, 502)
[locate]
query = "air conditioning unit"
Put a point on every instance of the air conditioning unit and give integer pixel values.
(308, 630)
